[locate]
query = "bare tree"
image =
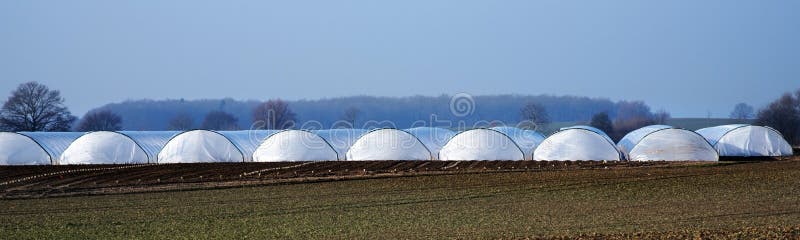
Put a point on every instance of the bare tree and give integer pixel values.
(350, 115)
(603, 122)
(632, 110)
(181, 122)
(742, 111)
(103, 120)
(219, 120)
(661, 117)
(536, 114)
(783, 115)
(34, 107)
(273, 114)
(631, 116)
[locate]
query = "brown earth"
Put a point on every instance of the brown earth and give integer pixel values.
(742, 199)
(73, 180)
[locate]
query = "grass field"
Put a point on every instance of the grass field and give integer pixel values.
(717, 199)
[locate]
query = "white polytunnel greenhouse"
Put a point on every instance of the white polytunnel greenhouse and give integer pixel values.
(247, 141)
(666, 143)
(590, 128)
(341, 138)
(632, 138)
(388, 144)
(123, 147)
(433, 138)
(527, 140)
(212, 146)
(742, 140)
(577, 143)
(481, 144)
(294, 145)
(34, 148)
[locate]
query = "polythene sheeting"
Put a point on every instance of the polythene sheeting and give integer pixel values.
(125, 147)
(713, 134)
(632, 138)
(53, 142)
(341, 138)
(672, 144)
(746, 141)
(199, 146)
(527, 140)
(432, 137)
(294, 145)
(247, 141)
(34, 148)
(103, 148)
(17, 149)
(590, 128)
(151, 141)
(388, 144)
(576, 144)
(481, 144)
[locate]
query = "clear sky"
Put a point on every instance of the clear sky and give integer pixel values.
(685, 56)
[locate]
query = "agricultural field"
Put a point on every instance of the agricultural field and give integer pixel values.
(413, 200)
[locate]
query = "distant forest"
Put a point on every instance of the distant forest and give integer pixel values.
(402, 111)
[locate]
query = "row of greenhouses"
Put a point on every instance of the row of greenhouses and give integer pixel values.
(651, 143)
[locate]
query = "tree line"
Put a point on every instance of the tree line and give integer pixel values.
(35, 107)
(357, 110)
(630, 116)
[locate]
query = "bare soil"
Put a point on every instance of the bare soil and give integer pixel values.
(72, 180)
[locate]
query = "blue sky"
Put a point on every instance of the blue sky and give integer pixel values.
(687, 57)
